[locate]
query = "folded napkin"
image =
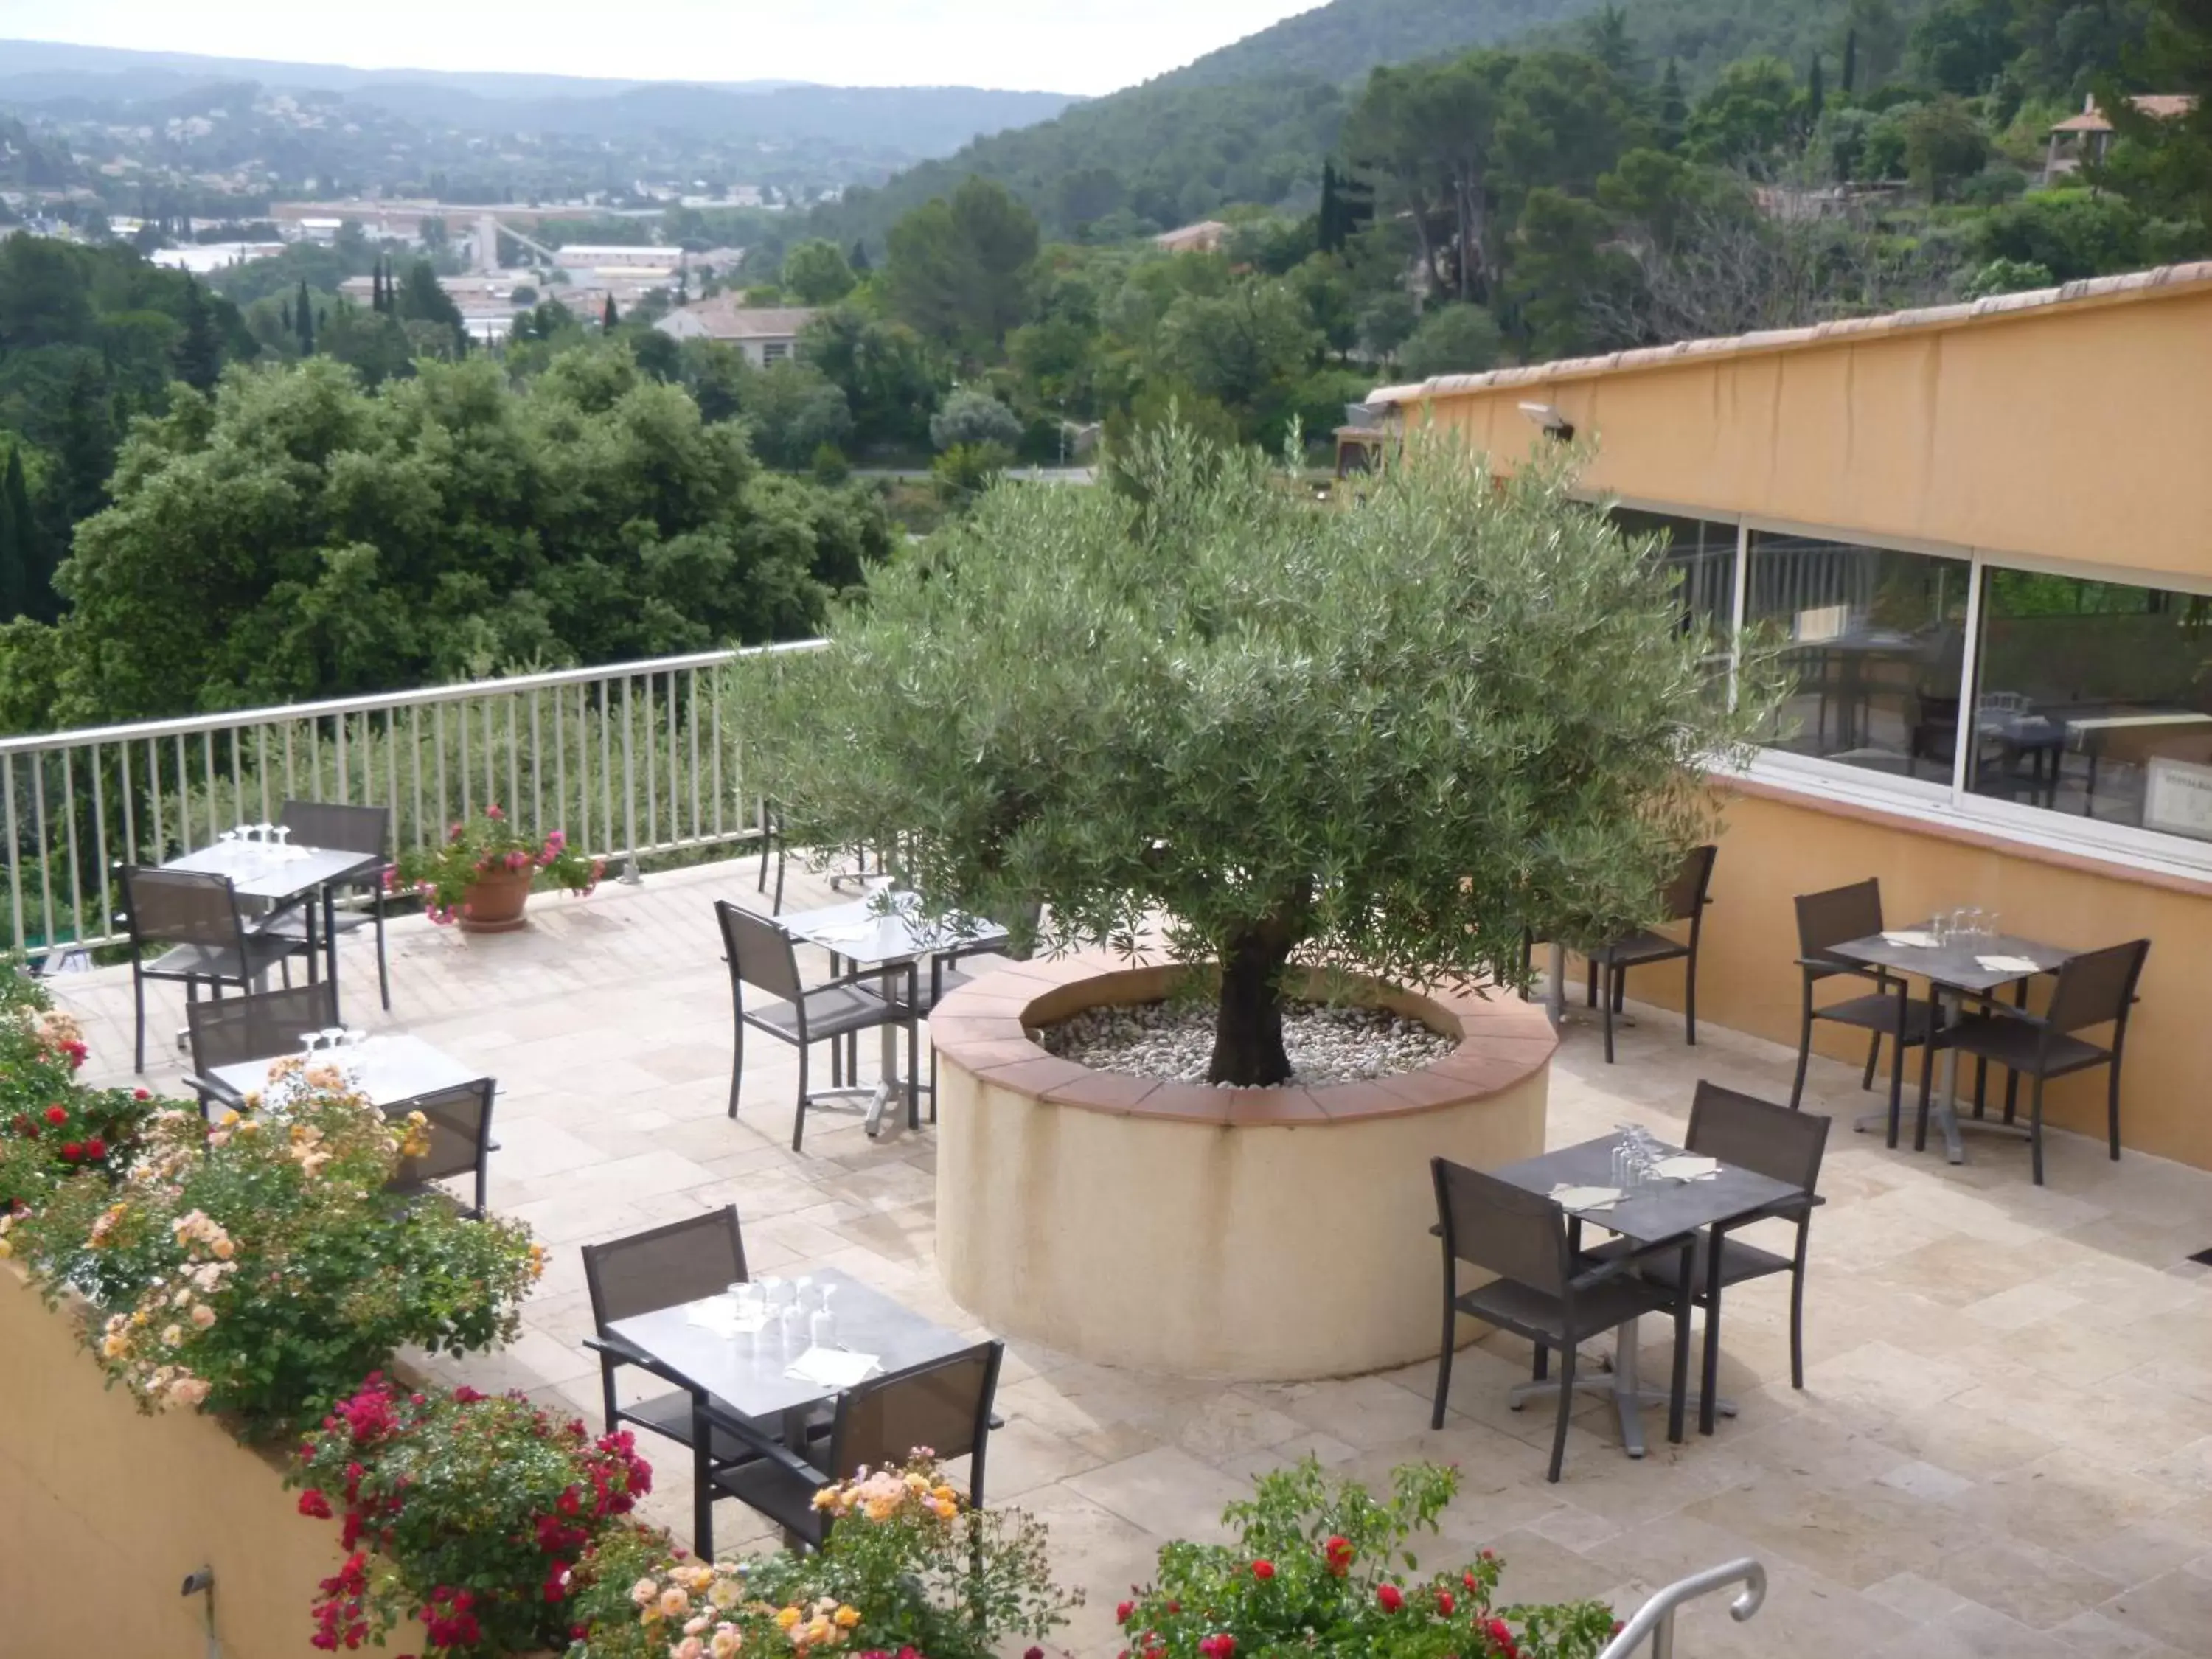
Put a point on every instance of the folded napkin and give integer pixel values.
(2010, 964)
(856, 934)
(1688, 1166)
(1586, 1197)
(832, 1368)
(1913, 940)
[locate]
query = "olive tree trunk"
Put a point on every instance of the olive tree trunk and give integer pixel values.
(1248, 1029)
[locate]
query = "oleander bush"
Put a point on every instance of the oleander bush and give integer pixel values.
(53, 1130)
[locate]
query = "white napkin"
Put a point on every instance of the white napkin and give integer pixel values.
(721, 1317)
(2010, 964)
(1586, 1197)
(1914, 940)
(859, 935)
(832, 1368)
(1688, 1166)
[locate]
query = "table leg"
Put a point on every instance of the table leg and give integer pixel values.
(888, 1081)
(331, 944)
(1947, 1109)
(1555, 999)
(1627, 1395)
(1632, 1397)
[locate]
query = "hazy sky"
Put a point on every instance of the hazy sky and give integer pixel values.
(1056, 45)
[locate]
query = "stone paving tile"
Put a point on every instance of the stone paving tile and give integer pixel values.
(2002, 1451)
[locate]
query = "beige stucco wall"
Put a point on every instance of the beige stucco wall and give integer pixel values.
(1246, 1250)
(104, 1510)
(2076, 432)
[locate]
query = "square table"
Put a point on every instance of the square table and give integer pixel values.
(1652, 1215)
(281, 874)
(886, 931)
(1954, 972)
(394, 1069)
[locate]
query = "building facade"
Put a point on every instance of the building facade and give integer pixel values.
(1982, 537)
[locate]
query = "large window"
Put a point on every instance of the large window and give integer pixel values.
(1876, 642)
(2095, 699)
(1702, 553)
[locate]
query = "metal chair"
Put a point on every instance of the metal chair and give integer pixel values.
(686, 1261)
(263, 1025)
(1829, 919)
(363, 829)
(772, 842)
(459, 1125)
(1685, 899)
(2098, 988)
(1783, 1146)
(196, 918)
(944, 1404)
(1546, 1290)
(760, 954)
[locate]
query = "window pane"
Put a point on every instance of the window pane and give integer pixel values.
(1877, 645)
(1704, 552)
(2096, 699)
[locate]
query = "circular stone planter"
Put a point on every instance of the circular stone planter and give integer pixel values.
(1253, 1234)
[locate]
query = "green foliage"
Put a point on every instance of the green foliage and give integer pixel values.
(2071, 233)
(1962, 46)
(891, 377)
(477, 1508)
(1383, 740)
(792, 409)
(816, 273)
(2005, 277)
(1943, 145)
(1322, 1566)
(53, 1130)
(958, 269)
(1452, 340)
(971, 416)
(1744, 118)
(965, 471)
(260, 1268)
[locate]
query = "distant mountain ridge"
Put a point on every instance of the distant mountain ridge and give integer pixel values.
(1346, 38)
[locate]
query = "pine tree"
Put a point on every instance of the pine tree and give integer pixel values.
(1674, 109)
(859, 260)
(607, 317)
(1851, 60)
(199, 351)
(303, 320)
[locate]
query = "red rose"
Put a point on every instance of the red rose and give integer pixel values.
(1222, 1646)
(95, 1149)
(1390, 1596)
(1338, 1553)
(1502, 1638)
(72, 1151)
(1263, 1569)
(315, 1506)
(1444, 1602)
(142, 1094)
(1122, 1613)
(56, 1114)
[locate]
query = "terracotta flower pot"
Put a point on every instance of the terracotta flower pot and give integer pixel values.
(493, 903)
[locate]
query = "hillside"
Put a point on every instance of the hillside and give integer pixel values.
(1344, 40)
(1703, 36)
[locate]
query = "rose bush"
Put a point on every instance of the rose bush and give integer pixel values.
(1323, 1566)
(489, 845)
(464, 1509)
(51, 1129)
(261, 1267)
(908, 1570)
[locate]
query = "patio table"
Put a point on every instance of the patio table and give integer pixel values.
(1954, 971)
(871, 934)
(281, 875)
(2089, 735)
(1651, 1215)
(393, 1070)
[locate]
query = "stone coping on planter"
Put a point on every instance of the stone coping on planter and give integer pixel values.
(983, 1027)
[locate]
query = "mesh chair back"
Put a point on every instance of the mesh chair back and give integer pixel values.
(2095, 989)
(1753, 1134)
(1841, 914)
(1686, 894)
(338, 829)
(459, 1126)
(1516, 1235)
(945, 1405)
(257, 1027)
(182, 907)
(684, 1261)
(760, 952)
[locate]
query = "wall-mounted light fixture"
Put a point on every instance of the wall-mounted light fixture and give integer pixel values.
(1551, 419)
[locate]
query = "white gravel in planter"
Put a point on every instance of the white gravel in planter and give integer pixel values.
(1175, 1042)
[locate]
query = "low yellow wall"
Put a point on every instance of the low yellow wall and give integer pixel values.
(1776, 847)
(104, 1510)
(1250, 1251)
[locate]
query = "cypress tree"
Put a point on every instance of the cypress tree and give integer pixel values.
(1328, 232)
(607, 318)
(860, 259)
(18, 559)
(376, 288)
(199, 352)
(1816, 90)
(1851, 60)
(1674, 109)
(284, 314)
(303, 320)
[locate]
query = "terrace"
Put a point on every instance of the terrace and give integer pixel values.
(2001, 1448)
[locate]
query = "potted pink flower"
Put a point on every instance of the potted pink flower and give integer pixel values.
(481, 876)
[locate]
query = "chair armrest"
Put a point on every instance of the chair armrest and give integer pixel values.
(210, 1090)
(622, 1353)
(704, 1411)
(871, 977)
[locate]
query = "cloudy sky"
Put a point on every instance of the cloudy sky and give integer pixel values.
(1057, 46)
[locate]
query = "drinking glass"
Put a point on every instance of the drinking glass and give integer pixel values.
(823, 1327)
(773, 1291)
(802, 1293)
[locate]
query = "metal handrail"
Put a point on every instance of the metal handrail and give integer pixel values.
(1656, 1618)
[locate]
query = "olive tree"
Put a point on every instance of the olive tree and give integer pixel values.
(1396, 738)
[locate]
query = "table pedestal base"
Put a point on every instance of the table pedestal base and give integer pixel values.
(1632, 1397)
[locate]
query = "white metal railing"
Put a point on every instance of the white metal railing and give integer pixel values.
(633, 759)
(1655, 1621)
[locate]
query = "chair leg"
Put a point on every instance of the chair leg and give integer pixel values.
(1444, 1352)
(1690, 1002)
(138, 997)
(2012, 1097)
(1678, 1394)
(1612, 977)
(1797, 1327)
(1896, 1089)
(913, 1069)
(1566, 1411)
(737, 1060)
(383, 963)
(799, 1119)
(1981, 1084)
(775, 907)
(1873, 1053)
(1804, 1055)
(2035, 1129)
(1592, 965)
(2112, 1110)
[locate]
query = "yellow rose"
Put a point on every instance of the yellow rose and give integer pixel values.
(6, 1249)
(725, 1643)
(785, 1618)
(223, 1250)
(674, 1602)
(172, 1334)
(847, 1617)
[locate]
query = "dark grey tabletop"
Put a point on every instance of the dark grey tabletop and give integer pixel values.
(868, 936)
(1665, 1211)
(748, 1374)
(393, 1068)
(1957, 965)
(265, 871)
